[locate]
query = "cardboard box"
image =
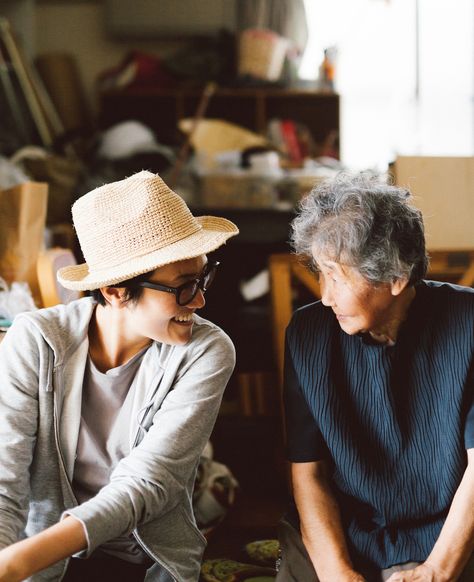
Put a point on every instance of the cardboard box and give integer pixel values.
(443, 189)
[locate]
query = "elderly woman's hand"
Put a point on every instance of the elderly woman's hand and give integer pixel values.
(422, 573)
(355, 577)
(348, 576)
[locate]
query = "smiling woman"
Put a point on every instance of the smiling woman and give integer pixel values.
(108, 402)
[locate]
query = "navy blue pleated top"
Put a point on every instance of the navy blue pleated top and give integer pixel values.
(393, 423)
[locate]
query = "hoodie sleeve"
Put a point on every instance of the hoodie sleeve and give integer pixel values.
(152, 479)
(20, 369)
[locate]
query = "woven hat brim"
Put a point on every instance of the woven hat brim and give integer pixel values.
(214, 233)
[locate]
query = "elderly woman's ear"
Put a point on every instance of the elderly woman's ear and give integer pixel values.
(398, 286)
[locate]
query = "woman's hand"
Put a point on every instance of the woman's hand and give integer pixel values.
(28, 556)
(422, 573)
(9, 562)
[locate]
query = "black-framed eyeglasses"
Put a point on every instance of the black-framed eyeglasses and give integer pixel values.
(186, 292)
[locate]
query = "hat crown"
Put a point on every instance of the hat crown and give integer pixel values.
(135, 226)
(128, 219)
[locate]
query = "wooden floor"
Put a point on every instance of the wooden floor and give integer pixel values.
(250, 519)
(251, 448)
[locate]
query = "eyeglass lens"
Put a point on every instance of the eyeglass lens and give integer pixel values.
(189, 290)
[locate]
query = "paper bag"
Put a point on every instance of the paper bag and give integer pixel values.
(22, 220)
(62, 175)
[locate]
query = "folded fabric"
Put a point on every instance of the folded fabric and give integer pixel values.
(221, 570)
(264, 552)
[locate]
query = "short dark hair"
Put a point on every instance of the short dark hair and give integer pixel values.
(133, 291)
(365, 222)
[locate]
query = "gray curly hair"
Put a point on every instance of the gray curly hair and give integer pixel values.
(362, 221)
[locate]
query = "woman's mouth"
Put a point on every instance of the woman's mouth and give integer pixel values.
(184, 319)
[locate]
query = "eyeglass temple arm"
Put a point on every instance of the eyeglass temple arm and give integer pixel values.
(157, 286)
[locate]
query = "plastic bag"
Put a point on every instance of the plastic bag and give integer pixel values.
(15, 299)
(214, 492)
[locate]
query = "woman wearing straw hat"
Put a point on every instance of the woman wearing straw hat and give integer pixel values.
(107, 403)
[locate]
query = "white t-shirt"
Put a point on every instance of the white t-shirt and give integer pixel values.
(107, 399)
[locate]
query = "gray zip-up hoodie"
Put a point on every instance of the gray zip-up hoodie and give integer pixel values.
(177, 397)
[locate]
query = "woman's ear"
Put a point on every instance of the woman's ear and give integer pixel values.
(114, 296)
(398, 286)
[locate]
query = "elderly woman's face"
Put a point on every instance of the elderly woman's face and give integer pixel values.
(358, 305)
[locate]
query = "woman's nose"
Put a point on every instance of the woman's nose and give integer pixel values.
(198, 301)
(327, 297)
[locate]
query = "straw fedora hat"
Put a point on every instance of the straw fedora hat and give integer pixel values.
(136, 225)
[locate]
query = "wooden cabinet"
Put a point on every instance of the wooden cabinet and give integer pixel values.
(161, 109)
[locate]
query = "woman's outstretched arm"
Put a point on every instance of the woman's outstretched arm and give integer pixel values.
(24, 558)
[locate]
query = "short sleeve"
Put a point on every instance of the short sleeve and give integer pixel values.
(304, 442)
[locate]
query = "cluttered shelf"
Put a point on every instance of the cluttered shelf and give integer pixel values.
(261, 92)
(252, 108)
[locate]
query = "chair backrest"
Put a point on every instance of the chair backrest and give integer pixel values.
(454, 266)
(285, 269)
(49, 261)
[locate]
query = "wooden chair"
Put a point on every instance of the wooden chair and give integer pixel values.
(284, 270)
(454, 266)
(49, 261)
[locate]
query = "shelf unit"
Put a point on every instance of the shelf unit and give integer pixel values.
(161, 109)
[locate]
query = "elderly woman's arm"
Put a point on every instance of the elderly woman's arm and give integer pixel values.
(321, 526)
(455, 544)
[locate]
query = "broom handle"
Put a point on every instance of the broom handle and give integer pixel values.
(10, 96)
(25, 82)
(209, 90)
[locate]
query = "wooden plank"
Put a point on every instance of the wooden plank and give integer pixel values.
(282, 306)
(305, 276)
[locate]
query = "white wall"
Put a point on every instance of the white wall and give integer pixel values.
(79, 28)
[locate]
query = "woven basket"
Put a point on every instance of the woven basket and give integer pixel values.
(261, 54)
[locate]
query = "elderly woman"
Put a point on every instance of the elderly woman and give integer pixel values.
(107, 403)
(379, 399)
